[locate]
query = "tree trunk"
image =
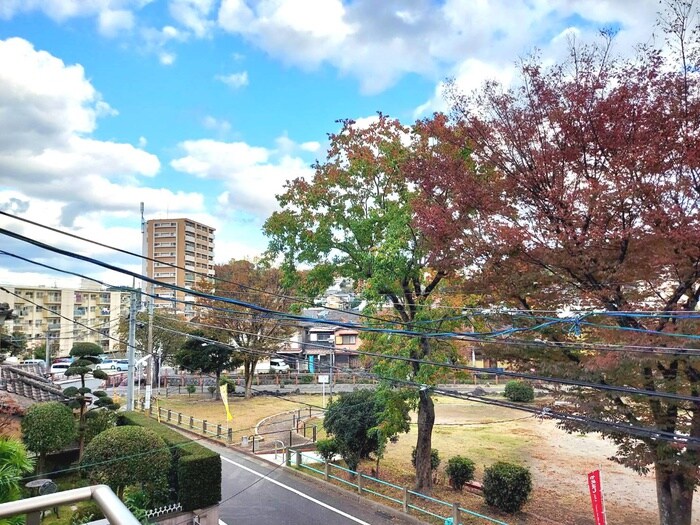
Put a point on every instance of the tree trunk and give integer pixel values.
(426, 419)
(674, 493)
(81, 431)
(248, 385)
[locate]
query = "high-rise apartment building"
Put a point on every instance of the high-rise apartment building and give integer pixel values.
(63, 316)
(183, 251)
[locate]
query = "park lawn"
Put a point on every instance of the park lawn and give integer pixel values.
(247, 413)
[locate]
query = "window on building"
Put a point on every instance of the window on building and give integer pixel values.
(347, 339)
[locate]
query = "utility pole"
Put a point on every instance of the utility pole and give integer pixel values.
(47, 352)
(133, 308)
(151, 365)
(149, 287)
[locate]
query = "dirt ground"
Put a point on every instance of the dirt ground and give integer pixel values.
(559, 463)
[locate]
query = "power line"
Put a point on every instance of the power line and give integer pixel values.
(505, 373)
(264, 310)
(171, 265)
(462, 367)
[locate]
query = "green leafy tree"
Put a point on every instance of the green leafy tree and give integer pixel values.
(84, 356)
(361, 422)
(39, 352)
(48, 427)
(14, 463)
(349, 419)
(354, 220)
(327, 448)
(128, 456)
(393, 415)
(14, 343)
(204, 355)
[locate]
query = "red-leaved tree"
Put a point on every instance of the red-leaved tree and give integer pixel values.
(593, 167)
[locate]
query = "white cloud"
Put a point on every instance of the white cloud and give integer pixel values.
(112, 16)
(48, 111)
(379, 42)
(157, 41)
(113, 22)
(311, 146)
(234, 80)
(221, 126)
(468, 77)
(252, 176)
(216, 160)
(167, 59)
(193, 14)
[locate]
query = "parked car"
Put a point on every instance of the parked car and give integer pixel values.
(32, 361)
(59, 368)
(278, 365)
(121, 365)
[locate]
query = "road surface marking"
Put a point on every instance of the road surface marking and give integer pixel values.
(222, 522)
(297, 492)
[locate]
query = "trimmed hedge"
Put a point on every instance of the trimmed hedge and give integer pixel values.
(196, 472)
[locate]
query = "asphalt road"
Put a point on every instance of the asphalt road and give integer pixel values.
(256, 491)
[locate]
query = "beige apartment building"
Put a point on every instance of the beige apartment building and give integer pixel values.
(66, 315)
(183, 251)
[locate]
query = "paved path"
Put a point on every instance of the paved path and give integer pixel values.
(255, 491)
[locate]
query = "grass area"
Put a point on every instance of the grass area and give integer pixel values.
(246, 412)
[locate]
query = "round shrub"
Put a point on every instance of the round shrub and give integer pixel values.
(48, 427)
(434, 458)
(507, 486)
(327, 448)
(519, 391)
(128, 455)
(460, 470)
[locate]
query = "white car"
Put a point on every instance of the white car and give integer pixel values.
(59, 368)
(120, 365)
(278, 366)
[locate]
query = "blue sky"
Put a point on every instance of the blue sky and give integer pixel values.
(203, 108)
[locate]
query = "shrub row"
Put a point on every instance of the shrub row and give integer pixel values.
(192, 464)
(506, 486)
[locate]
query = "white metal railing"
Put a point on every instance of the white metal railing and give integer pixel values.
(114, 510)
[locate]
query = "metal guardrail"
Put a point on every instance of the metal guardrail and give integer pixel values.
(114, 510)
(226, 434)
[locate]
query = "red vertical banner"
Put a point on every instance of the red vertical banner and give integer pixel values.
(596, 489)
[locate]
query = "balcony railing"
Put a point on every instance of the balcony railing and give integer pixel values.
(112, 507)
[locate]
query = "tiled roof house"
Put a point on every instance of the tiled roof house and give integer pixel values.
(27, 384)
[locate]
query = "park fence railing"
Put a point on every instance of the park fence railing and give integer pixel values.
(409, 501)
(298, 431)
